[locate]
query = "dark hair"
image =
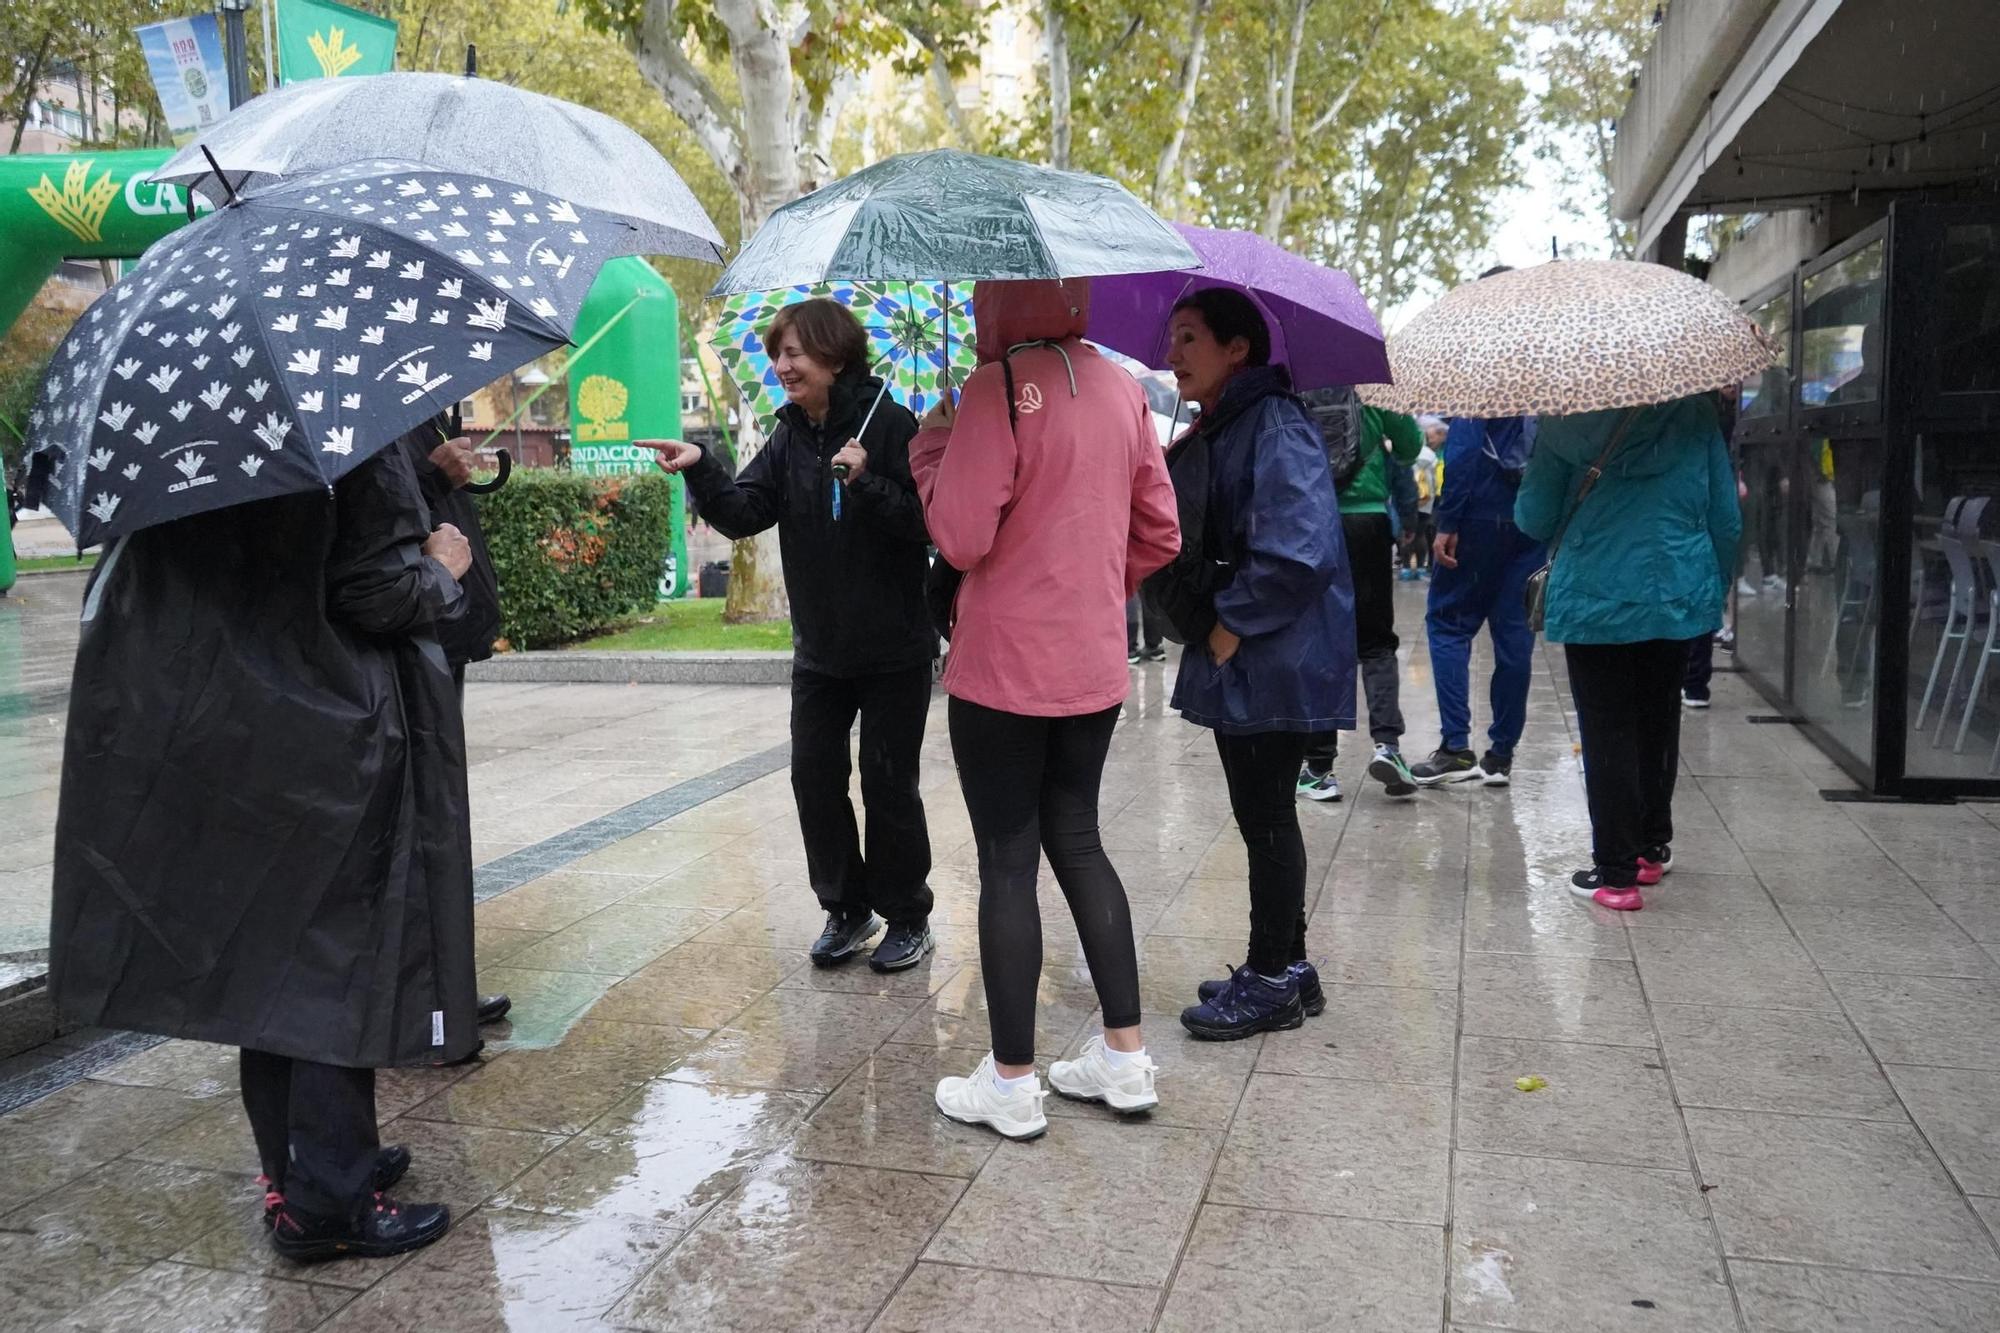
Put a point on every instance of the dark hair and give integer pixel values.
(1230, 315)
(828, 331)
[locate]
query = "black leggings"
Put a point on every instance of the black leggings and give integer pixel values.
(1263, 773)
(1030, 785)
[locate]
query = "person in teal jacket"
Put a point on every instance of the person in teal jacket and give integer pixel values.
(1643, 567)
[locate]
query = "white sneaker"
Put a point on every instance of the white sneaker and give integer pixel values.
(978, 1100)
(1091, 1077)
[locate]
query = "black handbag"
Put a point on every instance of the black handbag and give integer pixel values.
(943, 579)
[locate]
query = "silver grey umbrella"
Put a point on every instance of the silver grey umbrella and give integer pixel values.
(453, 123)
(947, 214)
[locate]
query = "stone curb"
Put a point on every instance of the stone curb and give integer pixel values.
(584, 667)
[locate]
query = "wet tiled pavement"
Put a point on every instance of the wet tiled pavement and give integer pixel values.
(1772, 1102)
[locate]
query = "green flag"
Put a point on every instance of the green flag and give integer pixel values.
(318, 39)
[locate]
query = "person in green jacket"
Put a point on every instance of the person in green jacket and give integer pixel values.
(1388, 439)
(1642, 568)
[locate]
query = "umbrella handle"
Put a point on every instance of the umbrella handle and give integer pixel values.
(879, 394)
(499, 480)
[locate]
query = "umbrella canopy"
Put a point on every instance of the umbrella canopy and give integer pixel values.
(1572, 335)
(922, 217)
(275, 345)
(1321, 327)
(457, 124)
(916, 344)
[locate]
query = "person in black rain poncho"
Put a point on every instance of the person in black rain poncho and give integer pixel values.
(262, 837)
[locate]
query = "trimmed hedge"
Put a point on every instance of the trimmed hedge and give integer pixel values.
(575, 553)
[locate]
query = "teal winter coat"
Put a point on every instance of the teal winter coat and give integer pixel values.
(1647, 554)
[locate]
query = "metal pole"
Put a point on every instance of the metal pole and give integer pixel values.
(264, 9)
(235, 54)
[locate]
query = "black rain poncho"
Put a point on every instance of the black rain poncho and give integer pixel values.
(262, 838)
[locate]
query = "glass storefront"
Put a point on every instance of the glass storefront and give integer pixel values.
(1868, 593)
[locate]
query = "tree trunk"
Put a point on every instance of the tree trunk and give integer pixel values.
(762, 59)
(31, 78)
(1189, 84)
(954, 114)
(1278, 203)
(1055, 24)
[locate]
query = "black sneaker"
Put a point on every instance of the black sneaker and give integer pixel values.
(1155, 654)
(904, 946)
(1132, 657)
(1495, 771)
(1446, 766)
(391, 1165)
(1310, 993)
(1246, 1006)
(376, 1231)
(493, 1008)
(843, 937)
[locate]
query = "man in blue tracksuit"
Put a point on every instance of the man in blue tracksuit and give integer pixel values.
(1482, 563)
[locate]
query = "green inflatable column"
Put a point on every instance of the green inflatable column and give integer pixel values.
(625, 384)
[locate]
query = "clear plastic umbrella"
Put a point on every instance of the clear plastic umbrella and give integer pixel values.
(453, 123)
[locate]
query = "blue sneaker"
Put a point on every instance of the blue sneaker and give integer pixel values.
(1247, 1006)
(1311, 994)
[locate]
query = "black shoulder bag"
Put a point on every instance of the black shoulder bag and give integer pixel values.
(942, 582)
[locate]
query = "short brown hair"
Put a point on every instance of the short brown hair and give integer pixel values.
(828, 332)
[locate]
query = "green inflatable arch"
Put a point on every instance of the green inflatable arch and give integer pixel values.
(61, 206)
(78, 206)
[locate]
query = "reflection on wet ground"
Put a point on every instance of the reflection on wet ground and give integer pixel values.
(1772, 1099)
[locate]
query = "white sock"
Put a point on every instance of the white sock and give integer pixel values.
(1010, 1086)
(1118, 1059)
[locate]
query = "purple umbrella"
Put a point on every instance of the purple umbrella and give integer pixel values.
(1321, 326)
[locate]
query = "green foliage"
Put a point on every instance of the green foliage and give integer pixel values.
(1588, 50)
(25, 350)
(574, 553)
(1397, 187)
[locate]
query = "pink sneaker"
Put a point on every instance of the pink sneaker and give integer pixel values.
(1589, 884)
(1655, 865)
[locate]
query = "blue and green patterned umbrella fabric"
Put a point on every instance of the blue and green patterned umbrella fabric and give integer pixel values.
(906, 324)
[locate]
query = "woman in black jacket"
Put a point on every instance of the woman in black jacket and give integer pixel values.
(851, 532)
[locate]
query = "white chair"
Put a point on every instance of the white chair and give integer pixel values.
(1958, 609)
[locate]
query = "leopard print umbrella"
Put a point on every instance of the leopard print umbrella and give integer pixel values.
(1576, 335)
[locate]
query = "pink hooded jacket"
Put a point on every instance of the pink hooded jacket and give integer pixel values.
(1056, 519)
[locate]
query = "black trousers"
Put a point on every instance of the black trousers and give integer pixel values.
(892, 706)
(1629, 709)
(1030, 786)
(1262, 770)
(315, 1130)
(1700, 666)
(1371, 554)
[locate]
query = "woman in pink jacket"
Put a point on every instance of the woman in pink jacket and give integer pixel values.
(1055, 502)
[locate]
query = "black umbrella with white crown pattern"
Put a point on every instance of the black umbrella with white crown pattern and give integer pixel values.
(276, 345)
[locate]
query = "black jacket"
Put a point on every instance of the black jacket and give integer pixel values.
(262, 837)
(469, 635)
(857, 583)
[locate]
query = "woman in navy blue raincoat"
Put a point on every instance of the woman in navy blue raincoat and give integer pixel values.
(1280, 662)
